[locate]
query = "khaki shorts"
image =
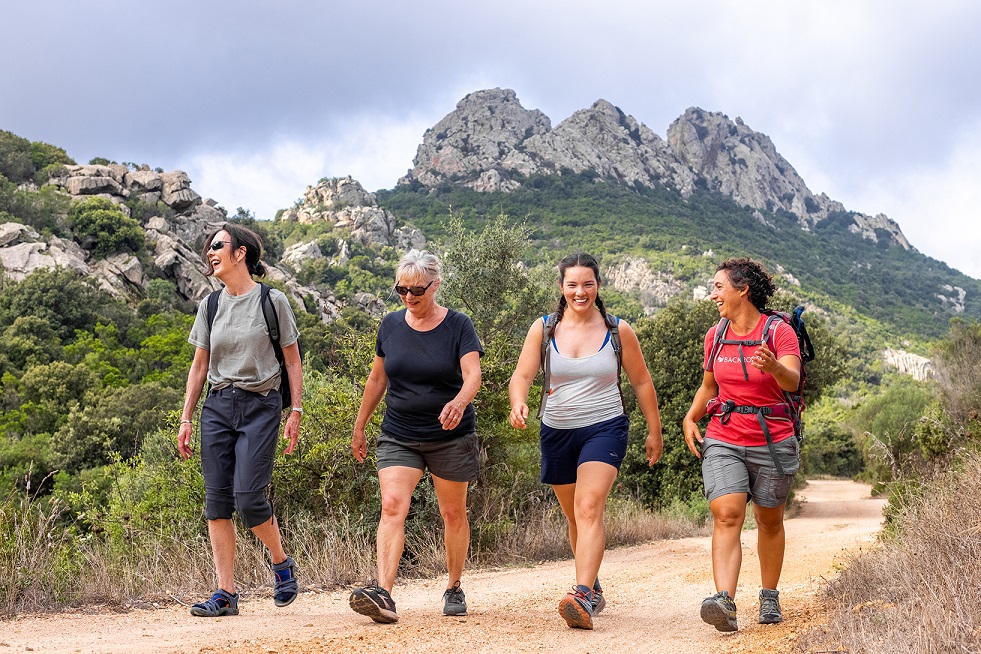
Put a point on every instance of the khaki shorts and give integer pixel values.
(730, 468)
(455, 459)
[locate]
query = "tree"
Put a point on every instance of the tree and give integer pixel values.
(62, 298)
(101, 227)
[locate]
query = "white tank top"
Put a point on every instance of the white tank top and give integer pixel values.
(584, 390)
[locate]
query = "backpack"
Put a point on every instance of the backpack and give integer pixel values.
(272, 324)
(793, 404)
(612, 324)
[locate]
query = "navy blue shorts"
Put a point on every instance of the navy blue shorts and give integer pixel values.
(564, 450)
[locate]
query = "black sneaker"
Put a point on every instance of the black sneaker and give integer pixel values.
(770, 612)
(719, 610)
(221, 603)
(374, 602)
(454, 601)
(286, 588)
(599, 603)
(576, 608)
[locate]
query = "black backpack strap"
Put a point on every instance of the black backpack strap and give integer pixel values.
(548, 330)
(213, 298)
(272, 320)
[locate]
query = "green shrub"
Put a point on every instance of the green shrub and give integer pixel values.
(101, 227)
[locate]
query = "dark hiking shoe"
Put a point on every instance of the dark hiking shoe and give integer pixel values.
(221, 603)
(374, 602)
(599, 603)
(770, 612)
(454, 601)
(576, 608)
(286, 587)
(720, 611)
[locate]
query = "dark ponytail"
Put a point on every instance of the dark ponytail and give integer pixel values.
(240, 237)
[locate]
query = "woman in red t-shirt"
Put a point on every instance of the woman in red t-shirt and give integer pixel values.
(739, 465)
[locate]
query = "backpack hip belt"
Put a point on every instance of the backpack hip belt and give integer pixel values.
(783, 411)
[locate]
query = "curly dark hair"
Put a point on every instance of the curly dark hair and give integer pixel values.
(586, 261)
(744, 273)
(241, 237)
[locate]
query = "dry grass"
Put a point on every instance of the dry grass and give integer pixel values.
(45, 565)
(917, 591)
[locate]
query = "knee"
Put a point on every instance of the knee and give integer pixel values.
(394, 508)
(253, 508)
(218, 505)
(454, 517)
(769, 522)
(728, 519)
(588, 511)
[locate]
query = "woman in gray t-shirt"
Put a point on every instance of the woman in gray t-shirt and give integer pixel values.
(242, 413)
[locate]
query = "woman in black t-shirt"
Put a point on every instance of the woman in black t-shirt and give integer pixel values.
(427, 367)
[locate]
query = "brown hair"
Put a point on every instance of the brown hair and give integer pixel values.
(586, 261)
(743, 273)
(241, 237)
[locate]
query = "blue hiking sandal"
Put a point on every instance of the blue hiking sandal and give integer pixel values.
(286, 587)
(374, 602)
(454, 600)
(576, 608)
(221, 603)
(719, 610)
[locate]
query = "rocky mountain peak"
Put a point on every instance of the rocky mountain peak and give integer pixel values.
(491, 143)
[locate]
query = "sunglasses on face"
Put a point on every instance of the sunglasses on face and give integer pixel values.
(414, 290)
(217, 245)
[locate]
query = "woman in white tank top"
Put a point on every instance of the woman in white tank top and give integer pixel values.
(584, 428)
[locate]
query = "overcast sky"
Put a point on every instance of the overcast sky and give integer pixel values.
(877, 104)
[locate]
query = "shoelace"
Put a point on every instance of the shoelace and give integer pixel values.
(769, 605)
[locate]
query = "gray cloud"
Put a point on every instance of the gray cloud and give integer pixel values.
(857, 96)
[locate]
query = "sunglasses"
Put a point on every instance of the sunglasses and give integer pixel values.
(217, 245)
(414, 290)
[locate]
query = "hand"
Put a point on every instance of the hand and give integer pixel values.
(692, 434)
(451, 415)
(519, 415)
(184, 440)
(654, 447)
(764, 359)
(292, 431)
(359, 445)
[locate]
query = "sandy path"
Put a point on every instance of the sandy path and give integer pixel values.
(653, 594)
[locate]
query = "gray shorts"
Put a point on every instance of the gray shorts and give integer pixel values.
(737, 469)
(455, 459)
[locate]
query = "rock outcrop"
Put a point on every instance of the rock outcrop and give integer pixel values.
(174, 218)
(344, 204)
(654, 288)
(491, 143)
(908, 363)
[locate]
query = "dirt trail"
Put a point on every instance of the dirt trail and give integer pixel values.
(653, 594)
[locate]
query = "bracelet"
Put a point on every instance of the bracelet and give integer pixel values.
(297, 409)
(186, 421)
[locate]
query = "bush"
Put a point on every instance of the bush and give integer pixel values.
(101, 227)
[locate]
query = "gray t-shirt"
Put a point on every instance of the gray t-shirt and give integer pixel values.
(241, 353)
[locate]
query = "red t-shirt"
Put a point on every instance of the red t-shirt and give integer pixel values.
(760, 390)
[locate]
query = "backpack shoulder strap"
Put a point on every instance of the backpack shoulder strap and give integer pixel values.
(548, 330)
(720, 331)
(213, 298)
(272, 319)
(613, 324)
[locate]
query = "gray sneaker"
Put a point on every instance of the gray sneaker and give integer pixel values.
(770, 612)
(719, 610)
(599, 602)
(454, 601)
(374, 602)
(576, 608)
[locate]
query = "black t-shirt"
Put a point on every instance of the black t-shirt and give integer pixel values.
(423, 370)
